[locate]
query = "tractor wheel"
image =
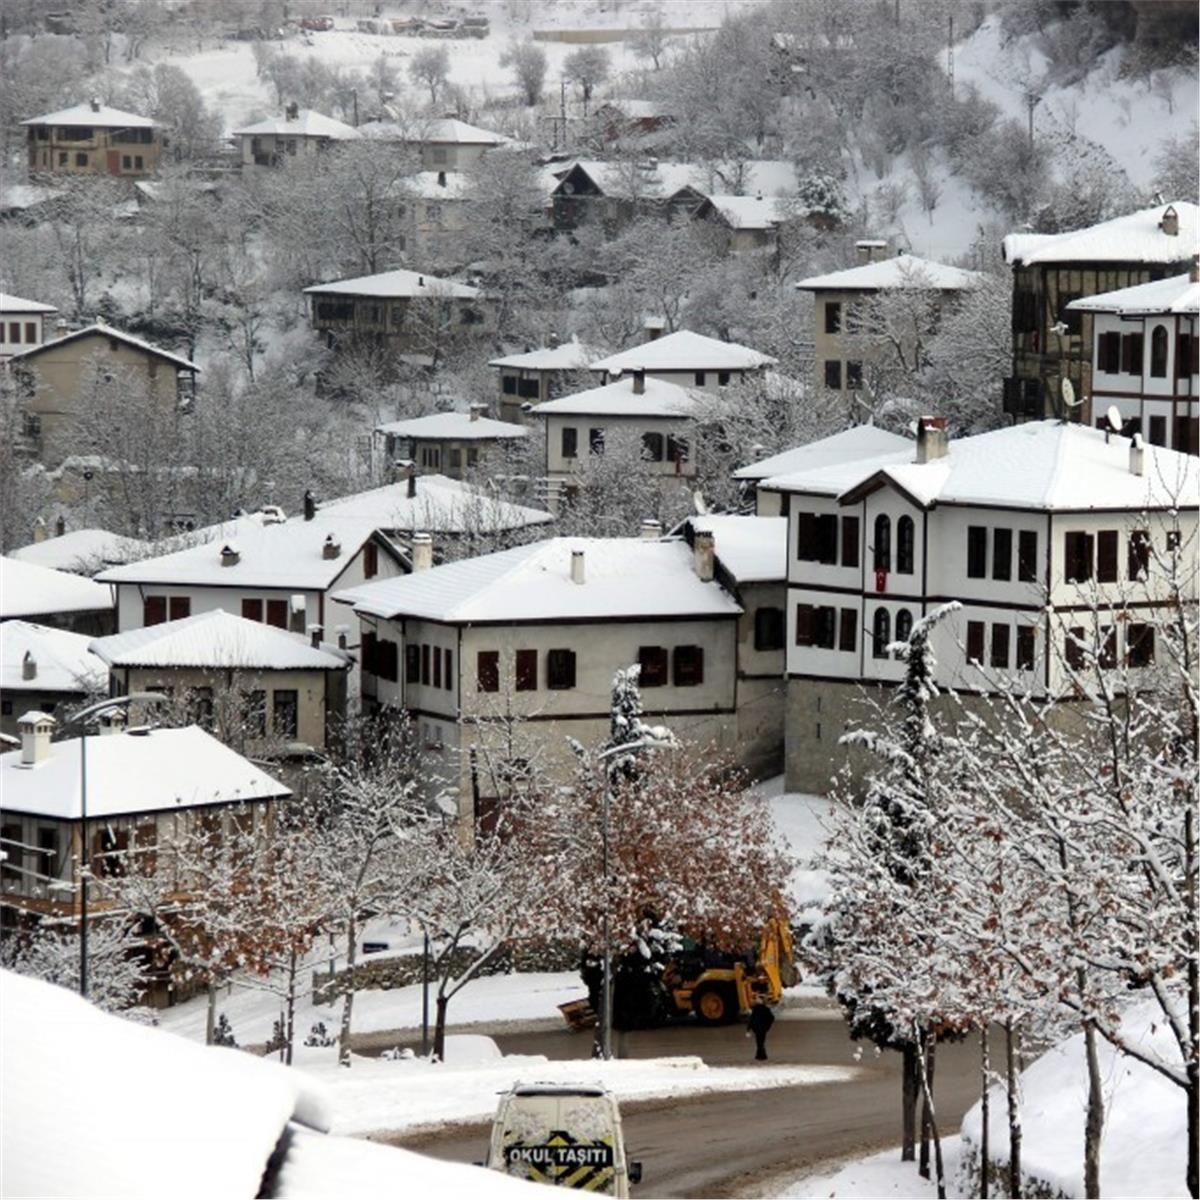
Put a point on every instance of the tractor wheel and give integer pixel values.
(714, 1004)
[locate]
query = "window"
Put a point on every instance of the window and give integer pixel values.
(904, 624)
(848, 629)
(570, 443)
(387, 660)
(883, 543)
(977, 551)
(1072, 318)
(1158, 431)
(285, 705)
(154, 610)
(200, 707)
(1027, 541)
(768, 629)
(431, 457)
(1000, 638)
(824, 628)
(138, 162)
(1106, 556)
(30, 332)
(722, 378)
(1026, 642)
(833, 316)
(596, 441)
(81, 159)
(677, 449)
(109, 849)
(508, 385)
(1074, 648)
(881, 633)
(1158, 352)
(689, 666)
(804, 624)
(1132, 349)
(825, 546)
(529, 389)
(62, 158)
(854, 376)
(699, 378)
(179, 607)
(14, 856)
(527, 670)
(975, 635)
(833, 374)
(437, 666)
(849, 541)
(560, 670)
(277, 613)
(652, 447)
(1174, 540)
(252, 610)
(653, 661)
(1108, 648)
(368, 653)
(906, 534)
(126, 162)
(1108, 353)
(14, 331)
(48, 857)
(256, 714)
(370, 560)
(487, 670)
(1139, 645)
(448, 669)
(412, 663)
(1078, 553)
(426, 672)
(1002, 554)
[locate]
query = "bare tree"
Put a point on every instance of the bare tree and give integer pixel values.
(430, 67)
(528, 62)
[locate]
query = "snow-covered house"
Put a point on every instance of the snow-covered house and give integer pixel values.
(264, 685)
(687, 359)
(750, 223)
(444, 143)
(408, 310)
(299, 135)
(1145, 341)
(80, 551)
(1025, 527)
(58, 381)
(536, 633)
(43, 668)
(451, 443)
(839, 349)
(1051, 270)
(57, 598)
(22, 324)
(93, 139)
(534, 376)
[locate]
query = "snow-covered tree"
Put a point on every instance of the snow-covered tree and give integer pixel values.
(587, 68)
(529, 65)
(430, 67)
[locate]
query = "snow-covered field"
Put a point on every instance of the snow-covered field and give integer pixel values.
(803, 823)
(879, 1177)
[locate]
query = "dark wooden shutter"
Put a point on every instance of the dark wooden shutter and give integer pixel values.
(412, 662)
(277, 613)
(560, 669)
(527, 670)
(806, 537)
(975, 636)
(849, 541)
(1078, 552)
(848, 633)
(976, 551)
(1107, 543)
(689, 666)
(804, 624)
(1026, 643)
(1001, 553)
(154, 610)
(827, 539)
(1000, 635)
(426, 674)
(179, 607)
(252, 610)
(367, 654)
(1027, 552)
(487, 670)
(1139, 555)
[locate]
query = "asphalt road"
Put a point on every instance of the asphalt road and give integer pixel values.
(725, 1145)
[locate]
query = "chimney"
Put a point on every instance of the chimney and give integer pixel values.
(292, 112)
(477, 411)
(1170, 221)
(420, 281)
(932, 440)
(639, 383)
(651, 530)
(343, 637)
(230, 556)
(331, 548)
(1194, 273)
(577, 573)
(441, 179)
(314, 636)
(39, 531)
(422, 552)
(95, 105)
(35, 729)
(298, 612)
(868, 250)
(310, 504)
(29, 666)
(705, 552)
(552, 341)
(60, 526)
(410, 472)
(112, 722)
(1137, 455)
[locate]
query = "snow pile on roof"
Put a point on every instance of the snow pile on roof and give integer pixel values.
(751, 212)
(99, 328)
(437, 185)
(569, 356)
(1135, 237)
(751, 549)
(1043, 465)
(396, 285)
(160, 771)
(218, 640)
(100, 116)
(27, 590)
(534, 583)
(306, 123)
(887, 274)
(449, 130)
(1177, 294)
(453, 425)
(1144, 1148)
(82, 550)
(659, 178)
(60, 660)
(861, 441)
(658, 398)
(684, 351)
(14, 304)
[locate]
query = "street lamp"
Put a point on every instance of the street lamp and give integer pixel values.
(84, 718)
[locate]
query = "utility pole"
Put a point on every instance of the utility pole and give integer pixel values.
(1031, 101)
(950, 57)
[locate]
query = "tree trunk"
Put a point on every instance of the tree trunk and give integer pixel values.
(1193, 997)
(348, 998)
(985, 1071)
(1014, 1111)
(1095, 1116)
(908, 1083)
(925, 1061)
(439, 1029)
(927, 1066)
(210, 1021)
(289, 1031)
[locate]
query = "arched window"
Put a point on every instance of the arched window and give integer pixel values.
(904, 620)
(905, 541)
(883, 542)
(881, 633)
(1158, 352)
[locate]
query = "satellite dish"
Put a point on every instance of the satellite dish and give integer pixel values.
(1068, 395)
(1114, 418)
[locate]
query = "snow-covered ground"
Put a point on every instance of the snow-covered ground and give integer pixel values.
(803, 822)
(878, 1177)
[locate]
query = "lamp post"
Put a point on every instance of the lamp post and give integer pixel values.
(83, 719)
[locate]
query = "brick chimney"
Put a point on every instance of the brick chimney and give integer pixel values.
(35, 729)
(932, 439)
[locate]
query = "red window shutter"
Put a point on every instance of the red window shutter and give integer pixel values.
(154, 610)
(1106, 556)
(527, 670)
(277, 613)
(180, 607)
(252, 610)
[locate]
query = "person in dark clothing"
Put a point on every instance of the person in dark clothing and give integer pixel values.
(761, 1020)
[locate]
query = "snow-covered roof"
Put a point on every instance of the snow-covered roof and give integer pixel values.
(395, 285)
(438, 185)
(568, 356)
(99, 329)
(1039, 465)
(60, 660)
(100, 116)
(82, 550)
(27, 590)
(306, 123)
(618, 399)
(684, 351)
(751, 549)
(903, 271)
(771, 177)
(850, 445)
(1176, 294)
(156, 771)
(218, 640)
(1135, 237)
(449, 130)
(14, 304)
(623, 577)
(638, 109)
(456, 426)
(750, 212)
